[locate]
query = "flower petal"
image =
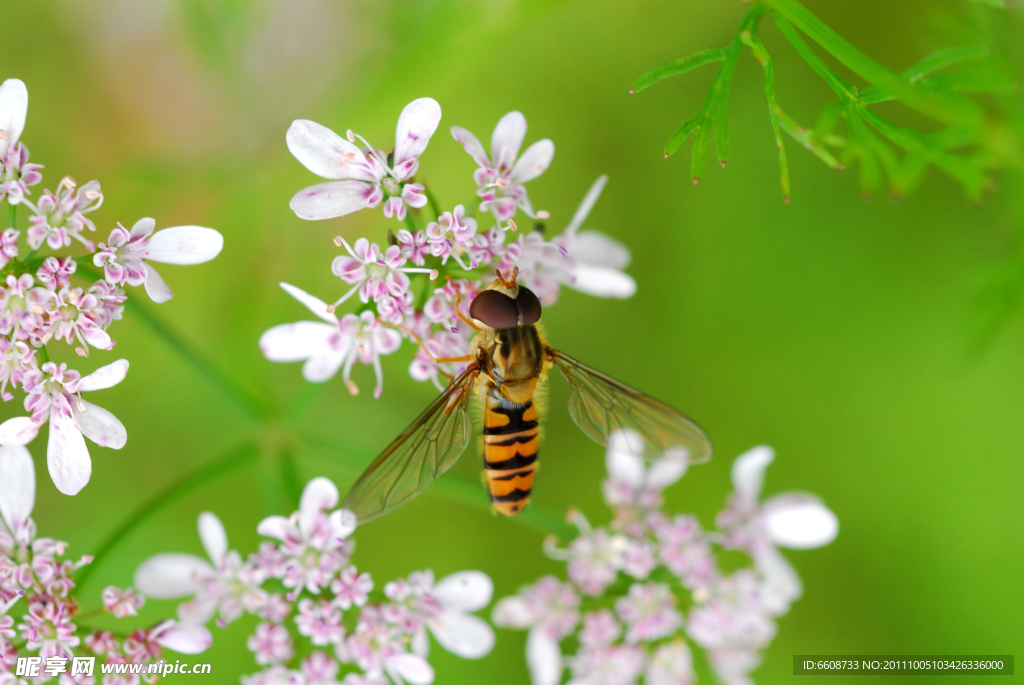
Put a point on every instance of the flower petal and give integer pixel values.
(156, 288)
(184, 245)
(17, 486)
(67, 457)
(600, 281)
(799, 521)
(172, 575)
(105, 377)
(319, 495)
(597, 249)
(293, 342)
(416, 124)
(781, 585)
(343, 523)
(185, 639)
(544, 658)
(21, 430)
(99, 425)
(322, 368)
(311, 302)
(583, 211)
(748, 470)
(463, 635)
(13, 108)
(411, 668)
(534, 161)
(509, 133)
(624, 458)
(668, 468)
(325, 153)
(214, 537)
(330, 200)
(470, 143)
(466, 590)
(143, 227)
(198, 610)
(277, 527)
(513, 612)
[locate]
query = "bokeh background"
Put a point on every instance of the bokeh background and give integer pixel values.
(853, 336)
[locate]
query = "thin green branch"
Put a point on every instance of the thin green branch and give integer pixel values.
(679, 66)
(230, 460)
(943, 59)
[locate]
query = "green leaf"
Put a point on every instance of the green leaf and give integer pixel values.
(943, 59)
(678, 66)
(682, 134)
(760, 53)
(699, 154)
(722, 130)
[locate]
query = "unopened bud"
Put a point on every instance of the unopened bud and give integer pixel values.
(80, 351)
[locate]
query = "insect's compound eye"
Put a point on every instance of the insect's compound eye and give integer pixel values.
(495, 309)
(529, 306)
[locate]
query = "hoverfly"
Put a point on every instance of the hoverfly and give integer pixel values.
(510, 357)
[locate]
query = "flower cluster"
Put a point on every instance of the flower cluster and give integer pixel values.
(398, 283)
(320, 615)
(37, 579)
(636, 590)
(72, 298)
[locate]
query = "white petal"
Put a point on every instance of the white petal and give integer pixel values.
(782, 585)
(668, 469)
(67, 457)
(509, 133)
(21, 430)
(214, 537)
(597, 249)
(184, 245)
(343, 523)
(799, 521)
(420, 643)
(98, 338)
(17, 485)
(733, 665)
(513, 612)
(293, 342)
(99, 425)
(544, 658)
(105, 377)
(583, 211)
(602, 282)
(325, 153)
(411, 668)
(463, 635)
(185, 639)
(171, 575)
(156, 288)
(322, 368)
(416, 124)
(468, 141)
(320, 494)
(198, 611)
(143, 227)
(277, 527)
(534, 161)
(312, 303)
(466, 590)
(623, 459)
(330, 200)
(748, 470)
(13, 108)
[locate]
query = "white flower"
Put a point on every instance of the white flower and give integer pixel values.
(594, 558)
(17, 498)
(313, 541)
(184, 638)
(13, 110)
(445, 609)
(632, 483)
(123, 258)
(500, 176)
(16, 174)
(794, 520)
(330, 346)
(54, 394)
(550, 610)
(362, 177)
(223, 584)
(377, 276)
(671, 664)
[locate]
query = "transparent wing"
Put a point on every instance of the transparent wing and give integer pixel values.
(600, 405)
(417, 457)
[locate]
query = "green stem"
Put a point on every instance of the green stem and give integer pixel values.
(435, 206)
(232, 459)
(44, 354)
(410, 221)
(29, 257)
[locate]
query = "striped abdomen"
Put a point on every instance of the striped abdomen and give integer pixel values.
(510, 453)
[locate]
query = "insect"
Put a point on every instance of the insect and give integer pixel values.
(510, 357)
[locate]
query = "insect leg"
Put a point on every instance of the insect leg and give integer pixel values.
(462, 316)
(412, 334)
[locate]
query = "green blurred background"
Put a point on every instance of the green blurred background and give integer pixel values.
(844, 333)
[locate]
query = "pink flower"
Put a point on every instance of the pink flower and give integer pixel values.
(594, 558)
(101, 642)
(60, 216)
(683, 547)
(313, 541)
(320, 669)
(362, 177)
(732, 616)
(608, 665)
(671, 664)
(451, 235)
(16, 173)
(413, 245)
(335, 344)
(271, 643)
(550, 610)
(320, 621)
(501, 176)
(122, 603)
(275, 675)
(649, 612)
(375, 276)
(377, 648)
(600, 629)
(48, 628)
(8, 244)
(351, 588)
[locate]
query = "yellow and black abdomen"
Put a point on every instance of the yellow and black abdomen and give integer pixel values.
(510, 452)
